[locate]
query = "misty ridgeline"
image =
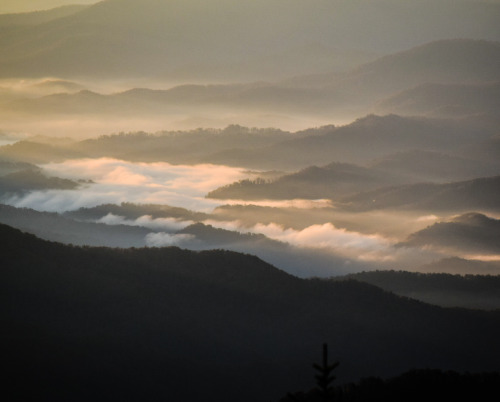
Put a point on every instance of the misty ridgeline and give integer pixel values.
(147, 282)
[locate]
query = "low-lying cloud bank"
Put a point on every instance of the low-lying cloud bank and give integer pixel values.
(350, 245)
(318, 249)
(165, 224)
(166, 239)
(117, 181)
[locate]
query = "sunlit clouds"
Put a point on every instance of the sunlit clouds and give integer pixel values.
(116, 181)
(295, 203)
(197, 179)
(166, 239)
(338, 241)
(334, 248)
(169, 224)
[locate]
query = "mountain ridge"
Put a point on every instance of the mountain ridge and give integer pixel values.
(152, 31)
(172, 312)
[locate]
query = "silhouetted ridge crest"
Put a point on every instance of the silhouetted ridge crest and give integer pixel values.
(153, 318)
(443, 60)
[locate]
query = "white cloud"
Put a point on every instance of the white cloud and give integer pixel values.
(117, 181)
(340, 242)
(295, 203)
(166, 239)
(427, 218)
(147, 221)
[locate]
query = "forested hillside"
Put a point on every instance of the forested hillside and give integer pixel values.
(168, 323)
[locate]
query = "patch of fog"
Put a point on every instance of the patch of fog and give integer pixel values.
(7, 142)
(295, 203)
(116, 181)
(147, 221)
(427, 218)
(9, 138)
(321, 250)
(89, 125)
(485, 258)
(162, 239)
(340, 242)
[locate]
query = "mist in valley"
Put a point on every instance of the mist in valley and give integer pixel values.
(291, 172)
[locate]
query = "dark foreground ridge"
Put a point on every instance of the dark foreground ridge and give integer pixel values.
(157, 324)
(411, 386)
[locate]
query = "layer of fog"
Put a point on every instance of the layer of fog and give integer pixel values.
(318, 250)
(118, 181)
(325, 242)
(16, 116)
(82, 127)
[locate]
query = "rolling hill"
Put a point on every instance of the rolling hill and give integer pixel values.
(27, 6)
(444, 100)
(220, 38)
(450, 61)
(168, 323)
(460, 266)
(359, 142)
(437, 166)
(460, 72)
(54, 227)
(476, 194)
(38, 17)
(331, 181)
(31, 180)
(469, 291)
(467, 233)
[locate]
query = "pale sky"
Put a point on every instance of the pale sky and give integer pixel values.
(19, 6)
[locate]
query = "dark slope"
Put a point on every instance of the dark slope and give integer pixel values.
(453, 61)
(476, 194)
(156, 324)
(469, 233)
(170, 146)
(444, 100)
(181, 228)
(440, 166)
(360, 142)
(441, 77)
(31, 180)
(7, 167)
(331, 181)
(411, 386)
(37, 152)
(193, 39)
(134, 211)
(470, 291)
(258, 96)
(180, 146)
(445, 61)
(38, 17)
(341, 179)
(461, 266)
(299, 261)
(54, 227)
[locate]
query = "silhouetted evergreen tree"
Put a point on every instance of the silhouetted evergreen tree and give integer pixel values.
(324, 378)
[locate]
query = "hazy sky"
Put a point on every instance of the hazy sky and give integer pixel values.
(18, 6)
